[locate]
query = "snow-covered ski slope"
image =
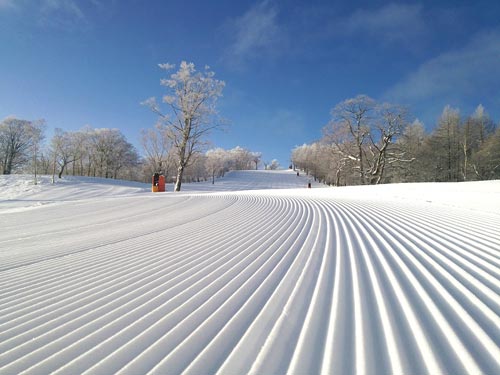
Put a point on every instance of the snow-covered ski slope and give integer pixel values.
(99, 278)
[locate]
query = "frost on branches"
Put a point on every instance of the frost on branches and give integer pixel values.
(191, 99)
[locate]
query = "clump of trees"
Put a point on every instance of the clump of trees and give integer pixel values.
(216, 162)
(20, 142)
(370, 143)
(87, 152)
(101, 152)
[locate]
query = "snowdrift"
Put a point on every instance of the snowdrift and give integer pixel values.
(255, 274)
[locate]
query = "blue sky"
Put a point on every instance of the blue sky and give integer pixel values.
(286, 63)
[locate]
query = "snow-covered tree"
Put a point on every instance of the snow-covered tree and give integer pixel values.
(17, 138)
(216, 162)
(64, 145)
(111, 152)
(241, 158)
(389, 124)
(191, 97)
(349, 130)
(157, 143)
(256, 158)
(274, 165)
(37, 135)
(363, 135)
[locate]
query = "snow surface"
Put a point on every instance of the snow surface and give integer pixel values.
(255, 274)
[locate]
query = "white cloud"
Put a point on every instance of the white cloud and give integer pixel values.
(468, 71)
(255, 33)
(462, 78)
(390, 23)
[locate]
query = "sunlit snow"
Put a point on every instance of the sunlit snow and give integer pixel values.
(254, 274)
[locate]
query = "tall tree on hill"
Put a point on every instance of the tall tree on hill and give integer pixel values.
(382, 151)
(362, 134)
(192, 98)
(349, 130)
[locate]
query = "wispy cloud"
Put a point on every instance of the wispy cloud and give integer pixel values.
(255, 33)
(390, 23)
(466, 71)
(460, 76)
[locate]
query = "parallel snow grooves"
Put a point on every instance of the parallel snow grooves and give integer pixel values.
(73, 279)
(399, 306)
(88, 307)
(386, 320)
(279, 303)
(466, 257)
(45, 250)
(47, 271)
(284, 270)
(99, 351)
(255, 283)
(483, 339)
(435, 313)
(100, 347)
(266, 271)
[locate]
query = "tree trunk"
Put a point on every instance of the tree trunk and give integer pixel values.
(178, 181)
(361, 165)
(61, 171)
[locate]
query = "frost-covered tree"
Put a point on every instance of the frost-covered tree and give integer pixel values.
(111, 153)
(37, 135)
(363, 134)
(256, 158)
(382, 152)
(191, 97)
(241, 158)
(215, 162)
(157, 143)
(64, 145)
(17, 138)
(349, 130)
(274, 165)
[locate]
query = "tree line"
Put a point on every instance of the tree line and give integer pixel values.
(107, 153)
(367, 142)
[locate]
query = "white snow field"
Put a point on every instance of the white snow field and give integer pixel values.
(255, 274)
